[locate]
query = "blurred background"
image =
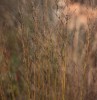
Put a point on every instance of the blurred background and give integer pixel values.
(48, 50)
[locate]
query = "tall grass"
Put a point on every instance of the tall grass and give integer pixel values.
(41, 57)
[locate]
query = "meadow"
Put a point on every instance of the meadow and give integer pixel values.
(48, 50)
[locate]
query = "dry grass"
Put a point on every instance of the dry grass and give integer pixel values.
(46, 56)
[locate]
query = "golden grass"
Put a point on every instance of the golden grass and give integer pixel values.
(43, 61)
